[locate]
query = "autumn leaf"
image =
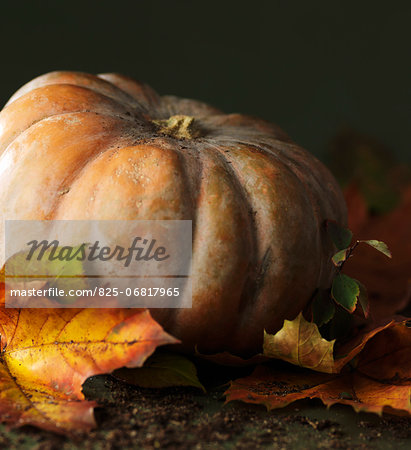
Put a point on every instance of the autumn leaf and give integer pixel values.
(47, 354)
(162, 370)
(277, 389)
(350, 349)
(388, 356)
(299, 342)
(381, 381)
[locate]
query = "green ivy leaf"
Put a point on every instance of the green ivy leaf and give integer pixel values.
(340, 257)
(345, 291)
(340, 236)
(323, 308)
(163, 369)
(340, 324)
(363, 298)
(380, 246)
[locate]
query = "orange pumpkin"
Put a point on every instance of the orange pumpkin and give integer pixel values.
(79, 146)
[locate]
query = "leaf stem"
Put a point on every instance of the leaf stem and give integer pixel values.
(348, 255)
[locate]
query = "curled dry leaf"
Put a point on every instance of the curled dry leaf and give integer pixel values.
(380, 383)
(299, 342)
(348, 351)
(47, 354)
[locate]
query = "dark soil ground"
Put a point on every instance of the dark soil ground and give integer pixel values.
(185, 418)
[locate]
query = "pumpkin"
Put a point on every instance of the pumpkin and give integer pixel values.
(79, 146)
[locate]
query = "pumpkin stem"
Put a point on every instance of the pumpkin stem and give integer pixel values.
(178, 126)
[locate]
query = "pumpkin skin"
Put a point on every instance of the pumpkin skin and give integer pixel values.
(79, 146)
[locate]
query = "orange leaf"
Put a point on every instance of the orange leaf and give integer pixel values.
(381, 382)
(352, 348)
(47, 354)
(388, 356)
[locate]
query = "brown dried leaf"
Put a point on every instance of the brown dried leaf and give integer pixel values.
(381, 381)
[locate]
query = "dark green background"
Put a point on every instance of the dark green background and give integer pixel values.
(311, 66)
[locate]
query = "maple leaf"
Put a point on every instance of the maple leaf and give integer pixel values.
(47, 354)
(299, 342)
(381, 381)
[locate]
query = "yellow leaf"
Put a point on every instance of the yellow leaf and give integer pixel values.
(299, 342)
(47, 354)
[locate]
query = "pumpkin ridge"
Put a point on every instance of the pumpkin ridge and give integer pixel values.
(144, 94)
(140, 181)
(54, 82)
(173, 105)
(55, 210)
(192, 174)
(188, 159)
(112, 148)
(310, 188)
(252, 227)
(295, 167)
(315, 189)
(31, 136)
(299, 163)
(259, 310)
(316, 169)
(54, 116)
(61, 86)
(39, 115)
(218, 208)
(317, 210)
